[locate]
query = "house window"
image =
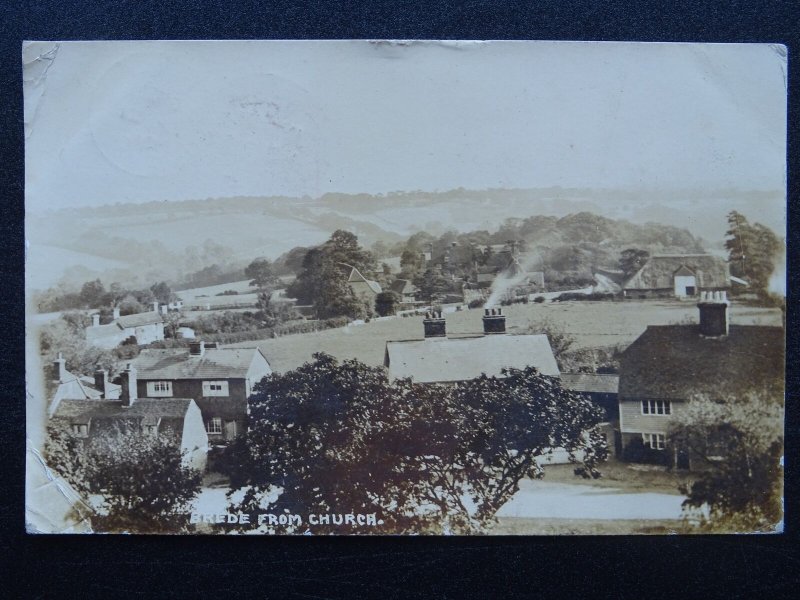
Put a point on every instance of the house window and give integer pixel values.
(157, 389)
(656, 407)
(656, 441)
(80, 429)
(215, 388)
(214, 425)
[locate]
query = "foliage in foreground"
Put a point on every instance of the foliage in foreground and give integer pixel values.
(341, 438)
(145, 485)
(737, 448)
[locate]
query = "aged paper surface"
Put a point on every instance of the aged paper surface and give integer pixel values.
(405, 287)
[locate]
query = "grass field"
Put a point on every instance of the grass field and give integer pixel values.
(592, 324)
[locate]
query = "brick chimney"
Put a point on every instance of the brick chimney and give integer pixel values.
(116, 313)
(713, 314)
(434, 325)
(59, 373)
(129, 393)
(101, 381)
(197, 348)
(494, 321)
(95, 319)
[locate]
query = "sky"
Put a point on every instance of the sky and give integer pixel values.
(111, 122)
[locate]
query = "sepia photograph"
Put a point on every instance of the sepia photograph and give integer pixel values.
(405, 287)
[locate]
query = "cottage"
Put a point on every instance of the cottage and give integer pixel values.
(439, 358)
(144, 328)
(365, 289)
(218, 379)
(177, 417)
(64, 384)
(668, 365)
(407, 292)
(679, 276)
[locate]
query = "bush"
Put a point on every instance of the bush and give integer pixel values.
(228, 293)
(477, 303)
(539, 299)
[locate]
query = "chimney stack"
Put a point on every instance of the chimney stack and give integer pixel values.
(494, 321)
(129, 393)
(197, 348)
(95, 319)
(164, 309)
(155, 306)
(101, 381)
(116, 313)
(59, 369)
(714, 318)
(434, 324)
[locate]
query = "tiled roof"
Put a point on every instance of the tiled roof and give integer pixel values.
(146, 409)
(676, 362)
(459, 359)
(356, 276)
(657, 273)
(140, 319)
(177, 363)
(598, 383)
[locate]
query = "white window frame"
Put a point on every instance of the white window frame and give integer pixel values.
(214, 426)
(656, 408)
(655, 441)
(159, 389)
(209, 388)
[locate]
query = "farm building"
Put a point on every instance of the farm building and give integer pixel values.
(439, 358)
(218, 379)
(668, 365)
(365, 289)
(145, 328)
(679, 276)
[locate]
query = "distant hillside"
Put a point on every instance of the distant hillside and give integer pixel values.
(165, 239)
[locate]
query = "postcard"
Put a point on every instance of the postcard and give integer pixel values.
(404, 287)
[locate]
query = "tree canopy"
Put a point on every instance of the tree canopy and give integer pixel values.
(261, 272)
(736, 446)
(145, 485)
(340, 437)
(323, 278)
(753, 251)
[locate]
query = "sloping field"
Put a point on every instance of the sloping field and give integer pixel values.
(592, 324)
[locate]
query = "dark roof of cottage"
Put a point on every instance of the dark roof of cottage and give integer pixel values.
(140, 319)
(598, 383)
(710, 271)
(676, 362)
(177, 363)
(146, 409)
(459, 359)
(403, 286)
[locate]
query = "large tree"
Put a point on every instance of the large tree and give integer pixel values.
(631, 260)
(144, 483)
(323, 278)
(753, 251)
(261, 272)
(340, 437)
(736, 447)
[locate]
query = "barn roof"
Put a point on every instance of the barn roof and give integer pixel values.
(710, 271)
(140, 319)
(177, 363)
(459, 359)
(356, 276)
(676, 362)
(598, 383)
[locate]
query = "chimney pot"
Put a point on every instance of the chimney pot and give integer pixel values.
(116, 313)
(129, 393)
(155, 306)
(494, 323)
(434, 326)
(101, 381)
(59, 368)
